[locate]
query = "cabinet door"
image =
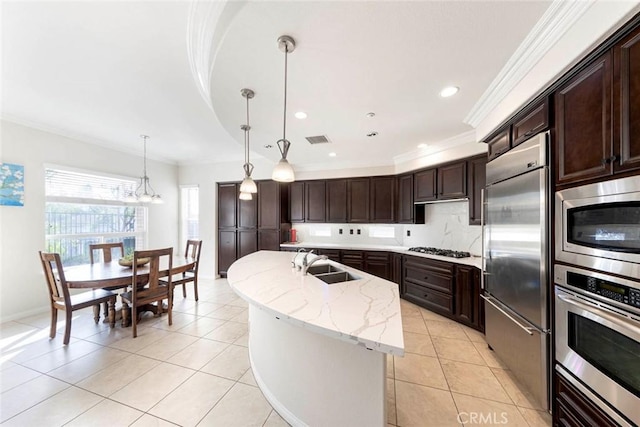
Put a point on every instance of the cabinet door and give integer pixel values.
(226, 251)
(573, 408)
(583, 124)
(247, 242)
(337, 200)
(533, 121)
(467, 295)
(626, 102)
(332, 254)
(378, 264)
(452, 181)
(353, 259)
(477, 180)
(501, 143)
(227, 201)
(315, 195)
(425, 185)
(383, 199)
(358, 200)
(268, 204)
(248, 213)
(296, 201)
(405, 199)
(268, 240)
(397, 271)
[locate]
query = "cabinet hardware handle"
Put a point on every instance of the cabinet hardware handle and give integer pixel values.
(606, 161)
(426, 277)
(529, 132)
(614, 158)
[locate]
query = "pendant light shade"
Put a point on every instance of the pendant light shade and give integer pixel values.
(283, 171)
(248, 186)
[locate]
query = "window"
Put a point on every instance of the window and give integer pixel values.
(83, 209)
(189, 212)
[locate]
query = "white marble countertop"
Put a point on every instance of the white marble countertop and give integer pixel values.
(365, 311)
(474, 261)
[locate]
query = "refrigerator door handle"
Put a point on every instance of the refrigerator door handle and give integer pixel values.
(527, 329)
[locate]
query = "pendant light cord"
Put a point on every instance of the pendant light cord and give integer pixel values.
(246, 136)
(284, 126)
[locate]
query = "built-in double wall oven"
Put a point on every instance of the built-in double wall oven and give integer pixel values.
(597, 294)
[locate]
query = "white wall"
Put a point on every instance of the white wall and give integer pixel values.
(22, 287)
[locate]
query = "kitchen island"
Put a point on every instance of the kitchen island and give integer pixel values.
(318, 351)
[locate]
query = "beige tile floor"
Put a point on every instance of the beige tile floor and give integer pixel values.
(196, 372)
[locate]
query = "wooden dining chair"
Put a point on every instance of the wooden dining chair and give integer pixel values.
(61, 299)
(155, 290)
(107, 256)
(191, 251)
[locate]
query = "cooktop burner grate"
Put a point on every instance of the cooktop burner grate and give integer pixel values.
(440, 252)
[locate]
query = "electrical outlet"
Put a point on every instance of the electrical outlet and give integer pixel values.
(340, 231)
(408, 233)
(351, 231)
(358, 231)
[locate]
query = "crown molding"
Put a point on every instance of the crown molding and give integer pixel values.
(555, 22)
(444, 145)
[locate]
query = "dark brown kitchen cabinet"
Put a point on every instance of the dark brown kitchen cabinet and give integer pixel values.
(247, 242)
(273, 209)
(405, 213)
(571, 408)
(468, 307)
(337, 200)
(583, 124)
(378, 263)
(499, 144)
(315, 197)
(626, 103)
(227, 250)
(477, 178)
(396, 268)
(354, 259)
(425, 185)
(383, 199)
(248, 213)
(452, 181)
(428, 283)
(269, 240)
(227, 205)
(358, 206)
(296, 201)
(332, 254)
(530, 122)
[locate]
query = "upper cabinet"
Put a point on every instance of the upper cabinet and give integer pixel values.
(383, 199)
(406, 209)
(500, 143)
(296, 201)
(583, 124)
(444, 182)
(476, 178)
(337, 200)
(358, 199)
(626, 102)
(315, 196)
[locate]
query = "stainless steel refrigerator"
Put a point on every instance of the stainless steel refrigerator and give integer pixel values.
(516, 262)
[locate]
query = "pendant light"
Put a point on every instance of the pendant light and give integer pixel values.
(248, 186)
(283, 171)
(144, 192)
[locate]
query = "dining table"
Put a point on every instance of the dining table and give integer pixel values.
(111, 275)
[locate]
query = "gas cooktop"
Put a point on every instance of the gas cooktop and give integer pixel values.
(440, 252)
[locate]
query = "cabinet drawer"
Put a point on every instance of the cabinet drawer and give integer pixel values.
(378, 256)
(428, 298)
(444, 268)
(430, 279)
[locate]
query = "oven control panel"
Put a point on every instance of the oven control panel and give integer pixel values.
(605, 288)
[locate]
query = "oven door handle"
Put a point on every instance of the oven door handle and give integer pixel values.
(610, 316)
(510, 317)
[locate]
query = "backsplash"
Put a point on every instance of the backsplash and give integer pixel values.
(447, 226)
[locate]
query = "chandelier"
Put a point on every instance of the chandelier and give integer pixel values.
(248, 186)
(144, 192)
(283, 171)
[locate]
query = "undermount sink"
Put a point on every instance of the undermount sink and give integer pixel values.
(322, 269)
(336, 277)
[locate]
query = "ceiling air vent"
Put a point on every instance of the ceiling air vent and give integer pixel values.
(317, 139)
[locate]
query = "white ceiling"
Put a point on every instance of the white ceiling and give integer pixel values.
(106, 72)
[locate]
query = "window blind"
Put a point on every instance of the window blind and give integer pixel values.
(72, 185)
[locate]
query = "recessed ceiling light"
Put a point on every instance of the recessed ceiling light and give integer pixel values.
(449, 91)
(300, 115)
(332, 154)
(422, 145)
(373, 133)
(372, 114)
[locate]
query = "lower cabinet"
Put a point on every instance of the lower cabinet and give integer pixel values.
(452, 290)
(332, 254)
(353, 259)
(269, 240)
(227, 250)
(378, 263)
(572, 408)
